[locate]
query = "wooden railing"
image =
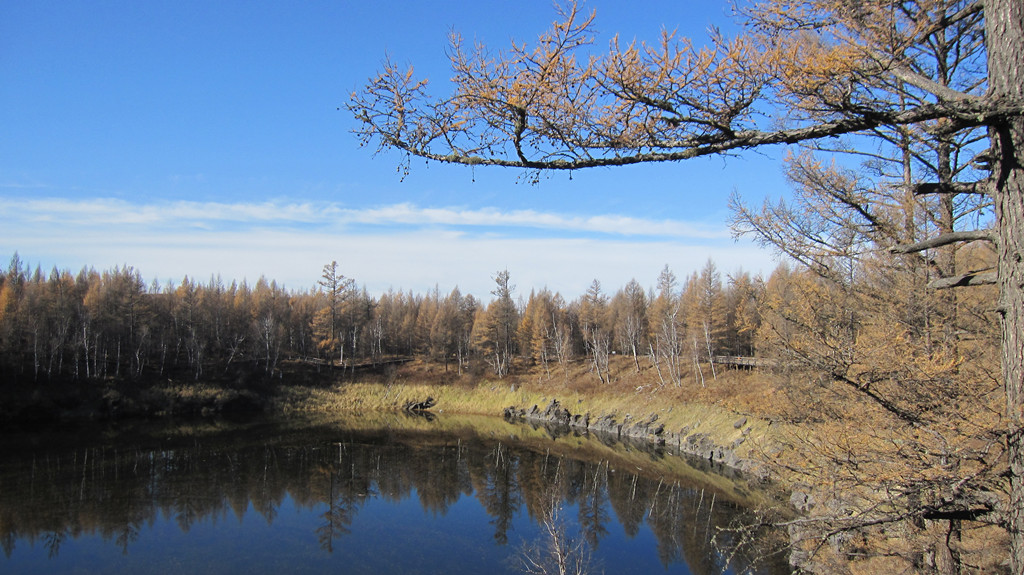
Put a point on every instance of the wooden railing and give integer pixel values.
(742, 362)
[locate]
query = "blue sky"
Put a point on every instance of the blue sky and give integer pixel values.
(202, 138)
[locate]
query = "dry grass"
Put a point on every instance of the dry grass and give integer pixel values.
(712, 409)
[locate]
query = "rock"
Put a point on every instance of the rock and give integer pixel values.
(801, 500)
(420, 405)
(557, 420)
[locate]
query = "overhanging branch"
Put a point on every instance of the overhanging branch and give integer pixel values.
(949, 188)
(944, 240)
(965, 113)
(940, 91)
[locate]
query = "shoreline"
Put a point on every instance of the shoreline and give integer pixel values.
(687, 440)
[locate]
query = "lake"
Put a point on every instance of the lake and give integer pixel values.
(383, 494)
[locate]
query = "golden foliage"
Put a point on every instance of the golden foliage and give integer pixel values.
(562, 104)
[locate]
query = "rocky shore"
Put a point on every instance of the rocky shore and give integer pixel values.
(716, 452)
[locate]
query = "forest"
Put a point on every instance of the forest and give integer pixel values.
(96, 326)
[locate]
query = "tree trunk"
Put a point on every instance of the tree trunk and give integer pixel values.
(1010, 217)
(1010, 224)
(1004, 22)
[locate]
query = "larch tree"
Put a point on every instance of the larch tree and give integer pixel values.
(629, 306)
(803, 71)
(665, 318)
(327, 323)
(467, 312)
(594, 325)
(544, 330)
(189, 324)
(495, 329)
(875, 237)
(743, 295)
(535, 328)
(448, 329)
(704, 302)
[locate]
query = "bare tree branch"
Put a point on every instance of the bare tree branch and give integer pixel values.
(907, 75)
(973, 278)
(950, 188)
(944, 240)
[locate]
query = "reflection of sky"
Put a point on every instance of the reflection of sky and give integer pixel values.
(256, 493)
(386, 537)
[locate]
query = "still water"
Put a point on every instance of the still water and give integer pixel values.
(391, 496)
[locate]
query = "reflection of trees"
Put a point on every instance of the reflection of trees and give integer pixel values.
(556, 551)
(542, 479)
(592, 499)
(113, 492)
(127, 534)
(7, 542)
(342, 506)
(493, 477)
(52, 541)
(440, 479)
(629, 506)
(678, 520)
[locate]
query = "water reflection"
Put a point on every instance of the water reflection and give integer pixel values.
(55, 489)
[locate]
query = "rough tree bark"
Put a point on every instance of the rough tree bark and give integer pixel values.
(1004, 28)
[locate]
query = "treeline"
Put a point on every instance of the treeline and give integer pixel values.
(113, 324)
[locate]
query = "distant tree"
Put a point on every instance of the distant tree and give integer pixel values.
(667, 329)
(446, 329)
(118, 308)
(742, 297)
(705, 312)
(594, 325)
(468, 307)
(327, 323)
(495, 329)
(526, 328)
(190, 324)
(629, 308)
(542, 329)
(270, 315)
(12, 288)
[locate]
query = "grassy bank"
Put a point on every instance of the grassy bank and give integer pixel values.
(714, 409)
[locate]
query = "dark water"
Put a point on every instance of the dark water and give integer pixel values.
(314, 497)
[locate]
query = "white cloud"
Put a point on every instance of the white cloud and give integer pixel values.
(421, 247)
(107, 210)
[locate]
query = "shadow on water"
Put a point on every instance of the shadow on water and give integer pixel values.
(398, 494)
